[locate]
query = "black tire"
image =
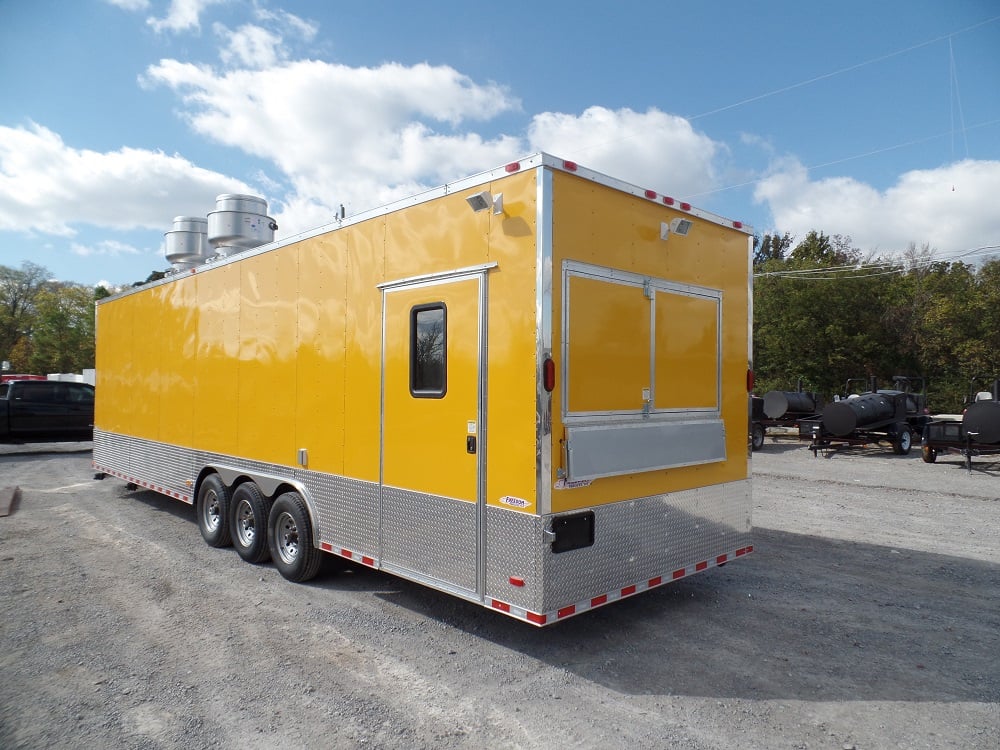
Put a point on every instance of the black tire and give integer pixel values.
(212, 509)
(902, 441)
(929, 454)
(290, 539)
(248, 514)
(757, 437)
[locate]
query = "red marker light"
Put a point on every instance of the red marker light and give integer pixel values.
(513, 166)
(668, 200)
(738, 224)
(750, 381)
(549, 374)
(570, 165)
(651, 194)
(686, 206)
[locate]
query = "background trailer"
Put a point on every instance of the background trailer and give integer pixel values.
(528, 388)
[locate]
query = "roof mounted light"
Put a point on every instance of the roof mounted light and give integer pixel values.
(677, 226)
(485, 199)
(480, 201)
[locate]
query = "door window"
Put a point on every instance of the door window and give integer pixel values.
(429, 351)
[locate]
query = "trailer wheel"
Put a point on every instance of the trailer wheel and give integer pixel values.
(249, 511)
(289, 538)
(929, 454)
(212, 509)
(757, 437)
(902, 441)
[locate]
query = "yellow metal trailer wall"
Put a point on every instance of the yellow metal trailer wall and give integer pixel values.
(281, 350)
(596, 224)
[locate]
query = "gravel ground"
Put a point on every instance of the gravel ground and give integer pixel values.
(868, 617)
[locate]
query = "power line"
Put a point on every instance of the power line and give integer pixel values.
(848, 69)
(873, 152)
(867, 271)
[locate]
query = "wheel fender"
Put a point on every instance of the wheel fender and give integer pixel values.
(270, 484)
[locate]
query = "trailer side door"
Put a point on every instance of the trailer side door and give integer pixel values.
(432, 437)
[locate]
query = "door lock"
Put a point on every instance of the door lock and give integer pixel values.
(470, 443)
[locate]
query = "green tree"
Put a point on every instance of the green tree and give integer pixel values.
(770, 247)
(818, 318)
(18, 291)
(63, 335)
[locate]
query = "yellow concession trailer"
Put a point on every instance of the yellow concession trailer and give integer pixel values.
(527, 388)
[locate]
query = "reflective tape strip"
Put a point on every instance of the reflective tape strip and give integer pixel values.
(348, 554)
(544, 618)
(147, 485)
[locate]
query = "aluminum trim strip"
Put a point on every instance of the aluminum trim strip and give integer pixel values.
(608, 450)
(543, 340)
(440, 277)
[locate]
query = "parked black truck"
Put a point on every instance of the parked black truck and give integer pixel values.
(45, 410)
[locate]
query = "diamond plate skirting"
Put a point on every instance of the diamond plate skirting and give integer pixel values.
(345, 511)
(430, 536)
(434, 540)
(155, 464)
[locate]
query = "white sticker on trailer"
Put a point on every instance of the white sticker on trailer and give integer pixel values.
(515, 502)
(562, 484)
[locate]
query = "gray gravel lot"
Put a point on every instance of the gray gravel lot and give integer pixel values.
(868, 617)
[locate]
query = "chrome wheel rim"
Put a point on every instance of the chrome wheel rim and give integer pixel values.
(287, 538)
(212, 511)
(245, 528)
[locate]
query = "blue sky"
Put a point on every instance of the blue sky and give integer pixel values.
(877, 121)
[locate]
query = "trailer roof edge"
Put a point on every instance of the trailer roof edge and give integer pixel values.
(532, 161)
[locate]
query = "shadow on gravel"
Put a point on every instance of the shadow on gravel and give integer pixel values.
(782, 446)
(19, 450)
(155, 501)
(804, 618)
(980, 465)
(985, 468)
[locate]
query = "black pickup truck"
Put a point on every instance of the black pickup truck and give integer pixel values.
(45, 410)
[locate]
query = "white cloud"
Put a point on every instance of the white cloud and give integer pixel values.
(302, 29)
(366, 136)
(251, 46)
(48, 187)
(360, 136)
(131, 5)
(105, 247)
(951, 208)
(182, 15)
(651, 149)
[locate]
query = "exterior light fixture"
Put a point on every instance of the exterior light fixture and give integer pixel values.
(677, 226)
(481, 201)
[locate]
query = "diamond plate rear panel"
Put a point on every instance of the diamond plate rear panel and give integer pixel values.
(433, 536)
(514, 546)
(634, 541)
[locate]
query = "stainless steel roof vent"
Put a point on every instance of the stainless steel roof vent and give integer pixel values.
(239, 222)
(186, 245)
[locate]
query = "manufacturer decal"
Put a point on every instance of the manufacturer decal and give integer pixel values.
(562, 484)
(515, 502)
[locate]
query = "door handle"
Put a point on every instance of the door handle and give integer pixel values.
(470, 444)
